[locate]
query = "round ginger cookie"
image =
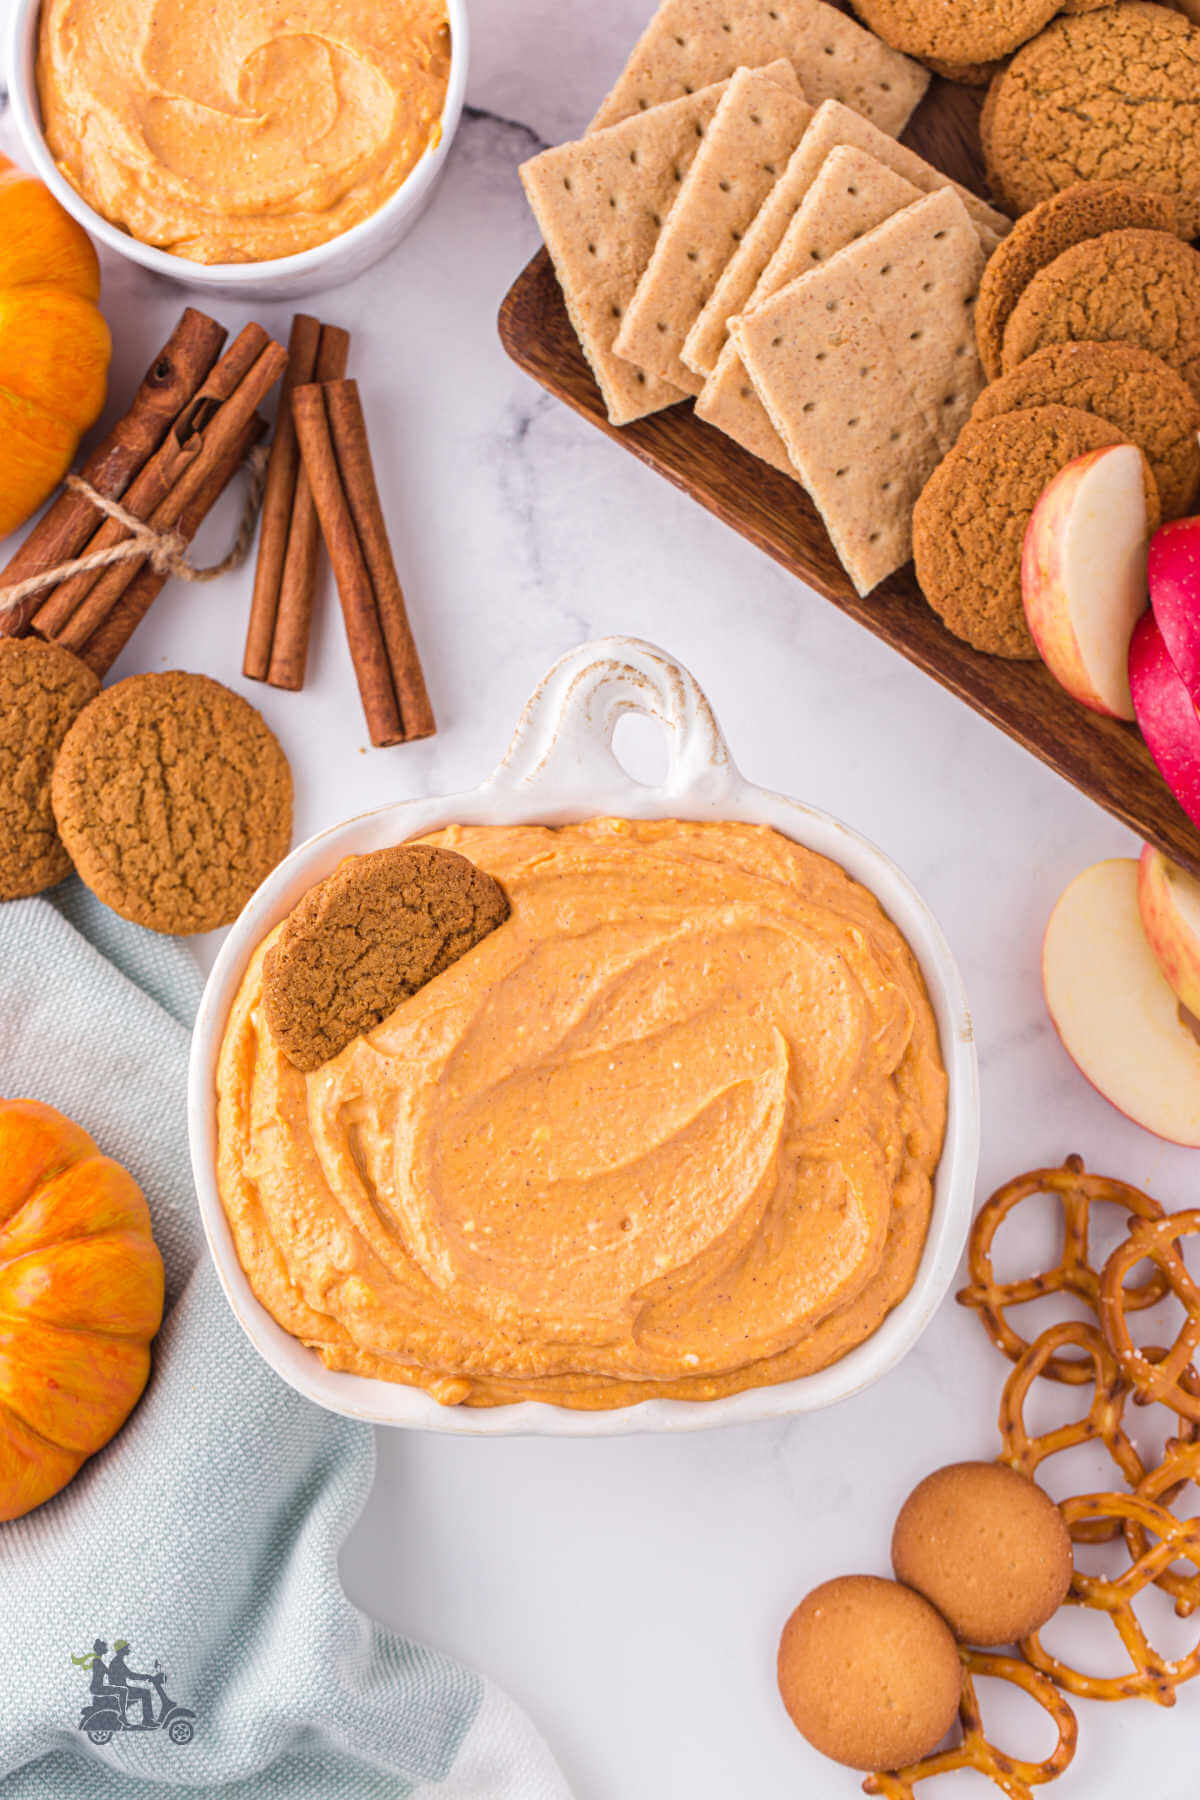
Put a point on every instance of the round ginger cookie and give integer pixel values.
(43, 688)
(969, 522)
(1104, 95)
(366, 938)
(987, 1547)
(1131, 287)
(869, 1673)
(978, 33)
(173, 799)
(965, 74)
(1146, 400)
(1087, 210)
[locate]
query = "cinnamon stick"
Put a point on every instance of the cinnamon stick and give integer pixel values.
(194, 447)
(154, 481)
(298, 579)
(278, 500)
(335, 479)
(62, 531)
(107, 642)
(348, 428)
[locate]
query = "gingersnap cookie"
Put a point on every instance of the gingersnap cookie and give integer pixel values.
(869, 1673)
(966, 74)
(1087, 210)
(366, 938)
(978, 33)
(969, 522)
(1146, 400)
(1107, 95)
(1131, 287)
(173, 799)
(987, 1547)
(42, 690)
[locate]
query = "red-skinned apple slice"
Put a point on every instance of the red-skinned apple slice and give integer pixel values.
(1165, 714)
(1083, 574)
(1169, 901)
(1174, 575)
(1115, 1012)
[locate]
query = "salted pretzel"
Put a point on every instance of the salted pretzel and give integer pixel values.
(1076, 1191)
(1156, 1241)
(1014, 1778)
(1102, 1423)
(1152, 1675)
(1180, 1464)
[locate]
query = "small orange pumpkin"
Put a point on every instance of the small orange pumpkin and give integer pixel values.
(81, 1295)
(54, 343)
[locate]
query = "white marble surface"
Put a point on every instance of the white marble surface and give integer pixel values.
(629, 1592)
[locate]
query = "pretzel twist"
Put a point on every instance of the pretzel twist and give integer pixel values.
(1180, 1464)
(1076, 1192)
(1014, 1778)
(1152, 1676)
(1102, 1423)
(1156, 1241)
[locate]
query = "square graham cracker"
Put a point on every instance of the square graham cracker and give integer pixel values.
(601, 202)
(746, 147)
(866, 367)
(851, 196)
(832, 126)
(690, 43)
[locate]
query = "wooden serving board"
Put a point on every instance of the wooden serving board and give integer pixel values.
(1105, 759)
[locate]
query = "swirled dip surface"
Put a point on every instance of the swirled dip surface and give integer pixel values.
(670, 1130)
(239, 130)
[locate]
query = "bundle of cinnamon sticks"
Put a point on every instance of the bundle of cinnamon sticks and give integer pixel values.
(321, 486)
(191, 424)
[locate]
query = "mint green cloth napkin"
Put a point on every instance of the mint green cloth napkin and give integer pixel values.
(207, 1533)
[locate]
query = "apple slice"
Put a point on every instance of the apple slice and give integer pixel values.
(1174, 575)
(1163, 707)
(1083, 574)
(1113, 1008)
(1169, 899)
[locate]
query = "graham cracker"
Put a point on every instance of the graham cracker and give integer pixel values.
(601, 203)
(690, 43)
(753, 133)
(833, 125)
(866, 367)
(851, 196)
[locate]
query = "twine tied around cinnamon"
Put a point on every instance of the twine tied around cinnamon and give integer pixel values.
(165, 551)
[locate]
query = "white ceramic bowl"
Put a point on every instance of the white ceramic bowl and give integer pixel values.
(285, 277)
(559, 768)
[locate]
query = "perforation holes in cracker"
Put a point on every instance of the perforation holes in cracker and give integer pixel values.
(1074, 1274)
(1013, 1777)
(1151, 1676)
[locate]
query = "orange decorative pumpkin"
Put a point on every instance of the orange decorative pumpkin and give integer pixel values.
(81, 1295)
(54, 344)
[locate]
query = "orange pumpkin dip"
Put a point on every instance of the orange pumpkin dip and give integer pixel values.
(669, 1131)
(240, 130)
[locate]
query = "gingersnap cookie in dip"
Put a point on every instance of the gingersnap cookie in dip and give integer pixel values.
(987, 1547)
(1145, 399)
(978, 33)
(869, 1673)
(1087, 210)
(173, 799)
(1132, 287)
(43, 688)
(366, 938)
(969, 523)
(1108, 95)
